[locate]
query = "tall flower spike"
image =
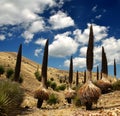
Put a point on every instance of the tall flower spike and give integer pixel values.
(18, 64)
(104, 63)
(71, 72)
(90, 53)
(44, 65)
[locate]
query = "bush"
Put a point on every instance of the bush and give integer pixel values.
(52, 79)
(61, 87)
(37, 75)
(9, 72)
(77, 101)
(53, 85)
(53, 99)
(11, 97)
(2, 70)
(116, 85)
(48, 83)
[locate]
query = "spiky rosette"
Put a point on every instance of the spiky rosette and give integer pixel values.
(104, 85)
(41, 94)
(89, 93)
(70, 93)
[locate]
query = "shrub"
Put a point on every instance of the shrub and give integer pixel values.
(77, 101)
(52, 79)
(11, 97)
(37, 75)
(53, 99)
(2, 70)
(53, 85)
(9, 72)
(116, 85)
(61, 87)
(48, 83)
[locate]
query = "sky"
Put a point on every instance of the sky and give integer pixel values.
(66, 24)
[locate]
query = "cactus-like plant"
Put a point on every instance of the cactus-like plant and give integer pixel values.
(104, 64)
(42, 93)
(84, 81)
(18, 64)
(77, 79)
(90, 53)
(97, 73)
(69, 94)
(114, 68)
(89, 93)
(104, 84)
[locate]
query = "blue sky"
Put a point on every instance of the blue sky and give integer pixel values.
(66, 24)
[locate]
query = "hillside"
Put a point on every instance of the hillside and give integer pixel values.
(106, 105)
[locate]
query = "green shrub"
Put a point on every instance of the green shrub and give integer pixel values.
(77, 101)
(48, 83)
(11, 97)
(37, 75)
(52, 79)
(53, 99)
(2, 70)
(116, 85)
(53, 85)
(9, 72)
(61, 87)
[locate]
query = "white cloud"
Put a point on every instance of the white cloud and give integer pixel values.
(28, 13)
(94, 9)
(61, 20)
(40, 41)
(37, 26)
(100, 32)
(37, 52)
(28, 36)
(2, 37)
(98, 16)
(22, 10)
(78, 62)
(63, 45)
(112, 49)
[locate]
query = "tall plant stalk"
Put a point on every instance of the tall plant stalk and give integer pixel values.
(114, 68)
(77, 81)
(44, 65)
(104, 64)
(71, 72)
(18, 64)
(97, 73)
(90, 53)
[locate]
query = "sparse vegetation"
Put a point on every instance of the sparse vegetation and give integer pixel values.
(53, 99)
(11, 97)
(116, 85)
(9, 72)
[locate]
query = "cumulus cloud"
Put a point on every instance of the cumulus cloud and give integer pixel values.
(40, 41)
(78, 62)
(27, 13)
(2, 37)
(37, 52)
(61, 20)
(98, 16)
(100, 32)
(22, 10)
(94, 9)
(63, 45)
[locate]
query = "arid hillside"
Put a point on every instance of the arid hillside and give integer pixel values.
(108, 104)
